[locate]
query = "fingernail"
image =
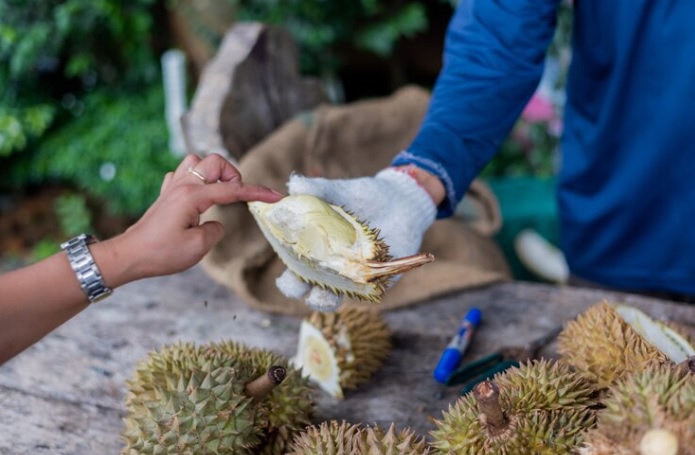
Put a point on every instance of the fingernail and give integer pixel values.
(277, 192)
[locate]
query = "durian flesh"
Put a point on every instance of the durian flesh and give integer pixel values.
(341, 350)
(325, 245)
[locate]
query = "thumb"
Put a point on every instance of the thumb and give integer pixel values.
(211, 232)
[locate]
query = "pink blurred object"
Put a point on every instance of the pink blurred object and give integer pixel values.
(538, 109)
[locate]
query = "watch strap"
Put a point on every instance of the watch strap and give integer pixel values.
(86, 270)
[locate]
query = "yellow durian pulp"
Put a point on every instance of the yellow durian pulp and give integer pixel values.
(342, 350)
(325, 245)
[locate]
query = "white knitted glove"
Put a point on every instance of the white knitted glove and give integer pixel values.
(391, 201)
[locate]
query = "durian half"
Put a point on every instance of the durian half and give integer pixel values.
(342, 350)
(609, 340)
(325, 245)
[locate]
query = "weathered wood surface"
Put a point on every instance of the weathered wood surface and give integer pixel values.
(65, 394)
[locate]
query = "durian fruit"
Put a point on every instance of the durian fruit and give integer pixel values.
(610, 340)
(223, 398)
(649, 412)
(341, 350)
(541, 407)
(342, 438)
(327, 246)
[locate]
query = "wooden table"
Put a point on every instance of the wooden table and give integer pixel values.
(64, 395)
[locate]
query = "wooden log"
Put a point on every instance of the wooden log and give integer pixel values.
(251, 87)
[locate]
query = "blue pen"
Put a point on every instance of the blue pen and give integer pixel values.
(454, 351)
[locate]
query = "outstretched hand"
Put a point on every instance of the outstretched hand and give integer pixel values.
(169, 237)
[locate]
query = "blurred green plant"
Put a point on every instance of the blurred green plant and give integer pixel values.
(75, 218)
(116, 151)
(53, 48)
(74, 215)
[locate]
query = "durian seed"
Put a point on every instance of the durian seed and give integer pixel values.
(487, 394)
(658, 441)
(263, 385)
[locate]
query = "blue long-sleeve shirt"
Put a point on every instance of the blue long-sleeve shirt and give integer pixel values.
(626, 187)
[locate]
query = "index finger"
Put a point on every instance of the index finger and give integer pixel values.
(232, 191)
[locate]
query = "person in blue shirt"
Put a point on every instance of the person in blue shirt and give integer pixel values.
(626, 188)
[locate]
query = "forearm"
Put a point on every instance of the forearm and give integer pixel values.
(492, 64)
(36, 299)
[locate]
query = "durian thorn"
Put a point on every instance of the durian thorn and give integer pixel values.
(264, 384)
(487, 394)
(396, 266)
(687, 365)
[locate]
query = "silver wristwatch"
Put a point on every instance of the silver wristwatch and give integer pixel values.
(85, 268)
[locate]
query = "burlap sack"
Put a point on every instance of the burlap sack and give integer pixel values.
(350, 141)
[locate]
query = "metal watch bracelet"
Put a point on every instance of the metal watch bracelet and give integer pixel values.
(86, 270)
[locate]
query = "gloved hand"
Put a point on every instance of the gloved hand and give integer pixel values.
(391, 201)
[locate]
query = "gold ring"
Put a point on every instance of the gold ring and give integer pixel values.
(198, 174)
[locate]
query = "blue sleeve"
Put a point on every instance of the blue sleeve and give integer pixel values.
(493, 61)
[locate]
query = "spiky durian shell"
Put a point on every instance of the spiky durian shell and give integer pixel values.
(264, 427)
(327, 246)
(342, 438)
(546, 405)
(358, 339)
(658, 397)
(290, 404)
(602, 346)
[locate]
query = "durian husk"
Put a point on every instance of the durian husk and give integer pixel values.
(342, 438)
(327, 246)
(660, 397)
(170, 409)
(603, 346)
(547, 408)
(354, 343)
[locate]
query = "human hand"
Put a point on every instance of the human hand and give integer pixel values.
(169, 237)
(390, 201)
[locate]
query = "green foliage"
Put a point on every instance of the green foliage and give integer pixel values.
(43, 249)
(73, 213)
(323, 29)
(75, 218)
(49, 48)
(116, 151)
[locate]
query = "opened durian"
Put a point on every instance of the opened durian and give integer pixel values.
(541, 407)
(325, 245)
(223, 398)
(342, 438)
(342, 350)
(608, 341)
(649, 412)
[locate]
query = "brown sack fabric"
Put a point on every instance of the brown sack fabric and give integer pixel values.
(349, 141)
